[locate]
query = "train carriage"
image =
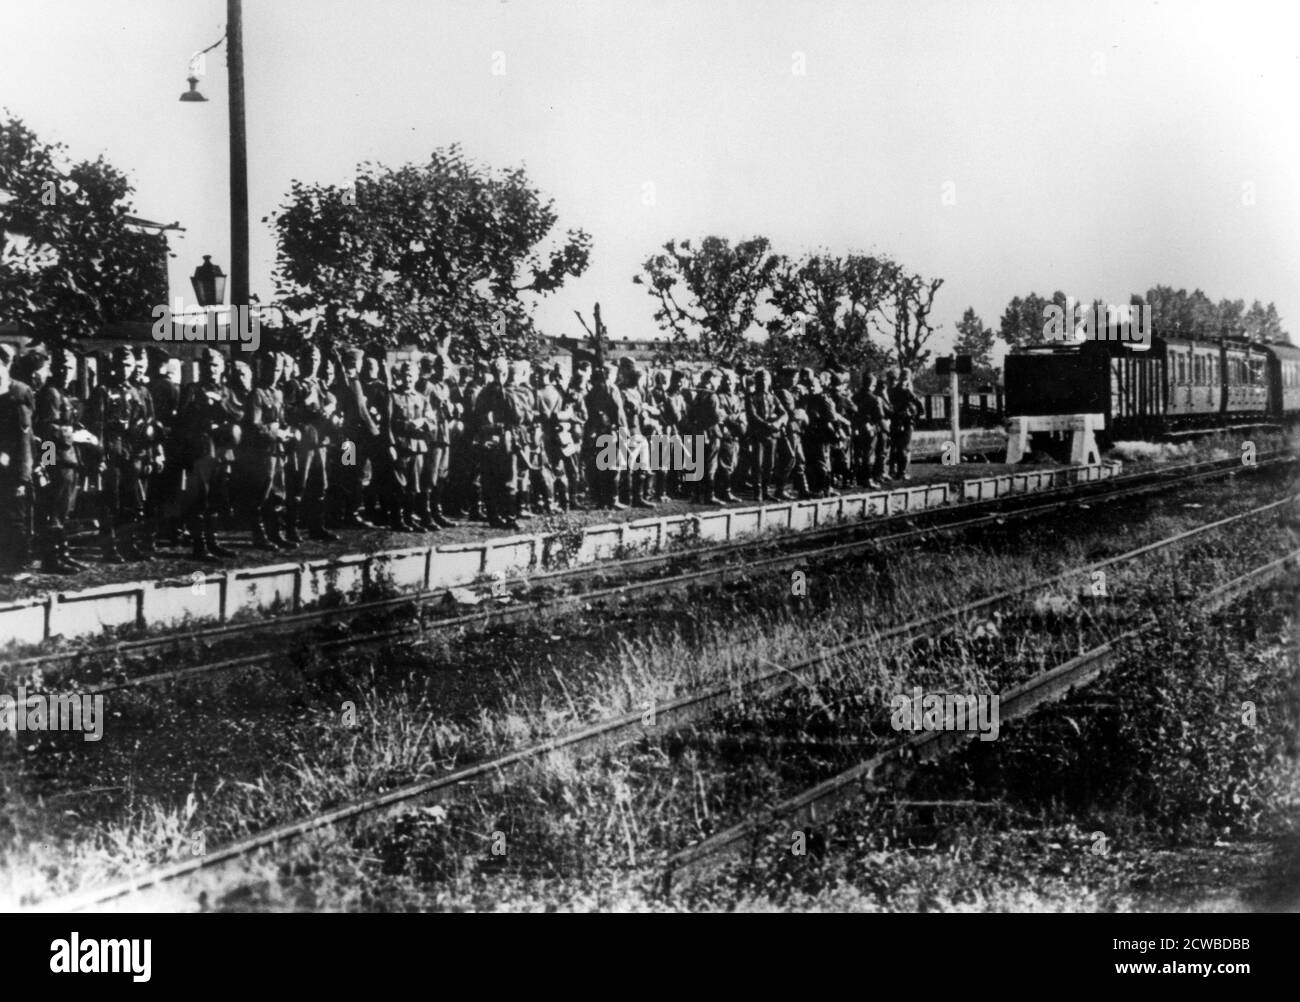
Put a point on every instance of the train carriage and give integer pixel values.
(1169, 388)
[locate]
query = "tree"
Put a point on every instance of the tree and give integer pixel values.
(71, 261)
(903, 314)
(1263, 323)
(711, 292)
(1177, 313)
(825, 305)
(1024, 320)
(410, 254)
(974, 339)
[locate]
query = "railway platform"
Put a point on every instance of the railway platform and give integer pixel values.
(361, 564)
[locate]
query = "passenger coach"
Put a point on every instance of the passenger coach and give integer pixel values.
(1173, 387)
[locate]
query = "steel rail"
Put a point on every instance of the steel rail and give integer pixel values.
(669, 716)
(895, 762)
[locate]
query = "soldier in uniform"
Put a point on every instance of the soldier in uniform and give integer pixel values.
(360, 435)
(438, 385)
(406, 423)
(606, 419)
(842, 447)
(17, 410)
(767, 419)
(167, 475)
(523, 402)
(559, 447)
(547, 471)
(906, 405)
(731, 409)
(380, 492)
(824, 426)
(705, 418)
(464, 474)
(868, 418)
(789, 446)
(56, 422)
(259, 460)
(118, 418)
(642, 425)
(494, 426)
(672, 412)
(581, 462)
(207, 431)
(312, 411)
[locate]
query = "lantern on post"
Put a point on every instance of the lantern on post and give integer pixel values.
(209, 283)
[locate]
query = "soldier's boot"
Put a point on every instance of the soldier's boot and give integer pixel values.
(613, 488)
(261, 540)
(660, 492)
(57, 559)
(413, 516)
(198, 542)
(274, 531)
(722, 488)
(215, 548)
(108, 547)
(427, 511)
(199, 549)
(640, 482)
(316, 523)
(144, 541)
(505, 508)
(59, 548)
(436, 517)
(289, 524)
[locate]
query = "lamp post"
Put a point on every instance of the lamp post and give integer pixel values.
(238, 152)
(209, 283)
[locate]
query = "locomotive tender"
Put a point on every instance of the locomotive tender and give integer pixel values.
(1170, 388)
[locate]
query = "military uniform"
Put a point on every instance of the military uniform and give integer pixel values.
(642, 423)
(766, 424)
(731, 409)
(405, 430)
(168, 475)
(360, 435)
(501, 415)
(259, 465)
(906, 405)
(56, 420)
(120, 420)
(606, 417)
(441, 395)
(705, 419)
(17, 409)
(311, 409)
(207, 430)
(842, 445)
(381, 491)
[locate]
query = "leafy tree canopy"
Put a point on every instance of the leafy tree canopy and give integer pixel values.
(412, 254)
(71, 262)
(711, 293)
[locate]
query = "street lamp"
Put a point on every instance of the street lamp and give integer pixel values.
(193, 93)
(238, 150)
(209, 283)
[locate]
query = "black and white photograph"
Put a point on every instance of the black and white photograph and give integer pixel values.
(650, 456)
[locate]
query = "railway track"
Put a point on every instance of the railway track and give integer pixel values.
(802, 549)
(189, 878)
(894, 763)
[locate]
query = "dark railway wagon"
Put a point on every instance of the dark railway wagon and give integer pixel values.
(1172, 387)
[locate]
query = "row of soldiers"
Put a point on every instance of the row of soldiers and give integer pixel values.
(296, 446)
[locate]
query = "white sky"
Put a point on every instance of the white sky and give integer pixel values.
(1093, 147)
